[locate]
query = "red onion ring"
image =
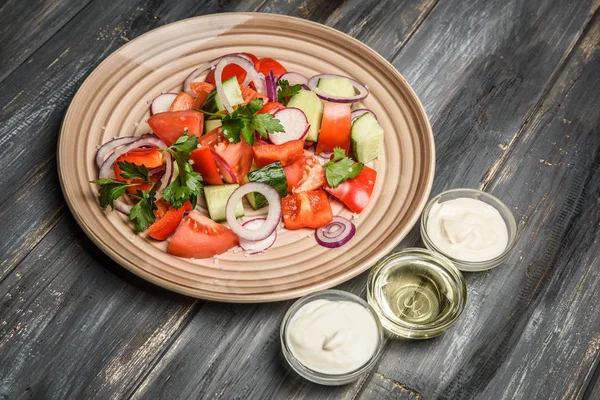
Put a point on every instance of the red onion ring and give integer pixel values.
(107, 148)
(251, 76)
(259, 246)
(294, 78)
(107, 171)
(198, 71)
(273, 217)
(360, 111)
(336, 233)
(162, 103)
(362, 90)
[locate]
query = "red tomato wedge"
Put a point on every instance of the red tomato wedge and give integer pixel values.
(254, 59)
(267, 64)
(161, 208)
(169, 126)
(182, 102)
(356, 192)
(313, 175)
(306, 210)
(335, 128)
(232, 70)
(201, 237)
(162, 228)
(249, 94)
(204, 163)
(293, 174)
(270, 106)
(234, 161)
(287, 153)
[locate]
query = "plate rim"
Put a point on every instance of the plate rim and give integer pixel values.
(295, 292)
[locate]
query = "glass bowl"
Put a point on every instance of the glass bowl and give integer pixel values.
(505, 213)
(320, 377)
(417, 293)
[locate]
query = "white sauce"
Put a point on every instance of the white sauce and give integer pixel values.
(333, 337)
(467, 229)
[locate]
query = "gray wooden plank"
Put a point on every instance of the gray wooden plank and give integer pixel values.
(384, 25)
(36, 95)
(73, 324)
(27, 25)
(453, 85)
(531, 327)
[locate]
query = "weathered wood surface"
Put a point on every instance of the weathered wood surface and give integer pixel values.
(511, 88)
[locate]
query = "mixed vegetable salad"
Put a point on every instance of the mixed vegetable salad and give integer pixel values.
(245, 127)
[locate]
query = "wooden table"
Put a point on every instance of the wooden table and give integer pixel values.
(512, 89)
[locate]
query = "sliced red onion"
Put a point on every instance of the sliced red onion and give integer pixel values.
(295, 125)
(360, 111)
(362, 90)
(198, 71)
(156, 171)
(107, 171)
(294, 78)
(260, 140)
(167, 177)
(273, 217)
(162, 103)
(258, 246)
(271, 84)
(335, 234)
(107, 148)
(225, 169)
(251, 76)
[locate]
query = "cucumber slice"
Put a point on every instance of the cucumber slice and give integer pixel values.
(216, 201)
(338, 87)
(312, 106)
(233, 92)
(367, 138)
(272, 175)
(211, 124)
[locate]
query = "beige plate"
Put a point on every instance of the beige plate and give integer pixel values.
(113, 101)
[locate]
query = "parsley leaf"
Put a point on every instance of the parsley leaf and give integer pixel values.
(285, 90)
(187, 185)
(143, 211)
(133, 171)
(110, 190)
(341, 168)
(241, 123)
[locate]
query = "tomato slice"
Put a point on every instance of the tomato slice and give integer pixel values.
(313, 175)
(287, 153)
(169, 126)
(306, 210)
(204, 163)
(249, 94)
(237, 157)
(162, 229)
(335, 128)
(182, 102)
(201, 237)
(268, 64)
(270, 106)
(293, 173)
(356, 192)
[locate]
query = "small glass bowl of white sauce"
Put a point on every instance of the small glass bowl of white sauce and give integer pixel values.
(331, 337)
(472, 228)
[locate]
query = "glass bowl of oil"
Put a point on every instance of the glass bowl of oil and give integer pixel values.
(416, 293)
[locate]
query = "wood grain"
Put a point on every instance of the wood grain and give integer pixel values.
(27, 25)
(493, 77)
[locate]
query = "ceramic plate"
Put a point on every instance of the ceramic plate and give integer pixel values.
(113, 102)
